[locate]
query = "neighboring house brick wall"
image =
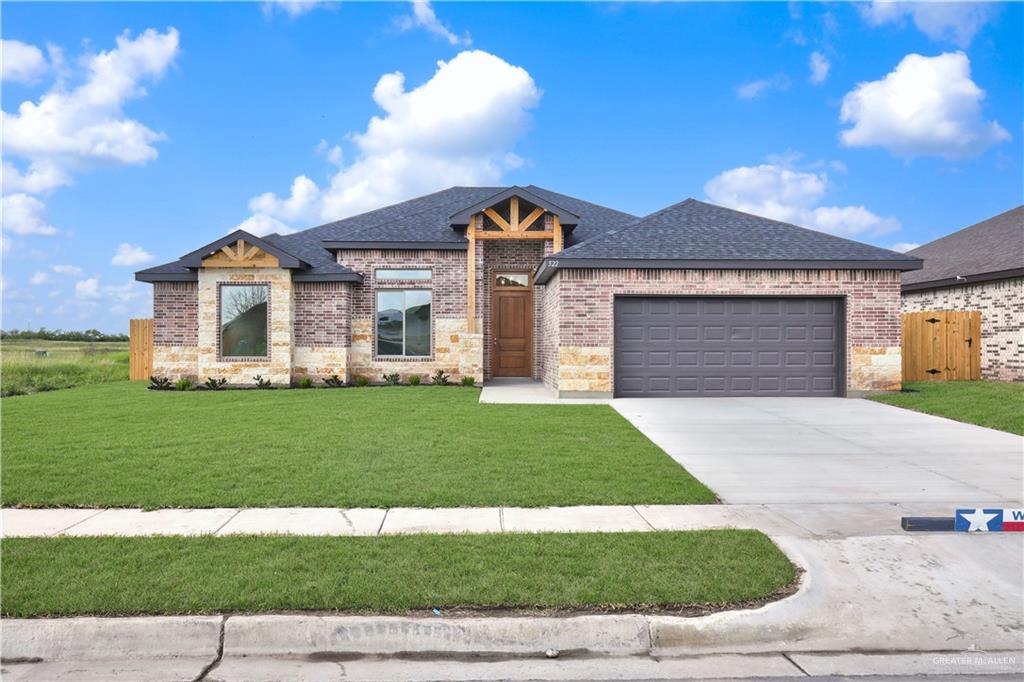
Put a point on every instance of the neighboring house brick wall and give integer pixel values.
(455, 349)
(175, 313)
(1002, 320)
(586, 315)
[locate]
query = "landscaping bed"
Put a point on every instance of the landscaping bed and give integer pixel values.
(120, 445)
(678, 571)
(995, 404)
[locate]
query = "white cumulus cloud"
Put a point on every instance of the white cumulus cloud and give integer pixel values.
(759, 88)
(46, 141)
(423, 16)
(87, 289)
(67, 269)
(956, 22)
(819, 65)
(40, 278)
(925, 106)
(21, 62)
(293, 8)
(782, 193)
(458, 128)
(129, 254)
(903, 247)
(23, 214)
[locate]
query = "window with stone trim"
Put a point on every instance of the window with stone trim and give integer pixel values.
(243, 320)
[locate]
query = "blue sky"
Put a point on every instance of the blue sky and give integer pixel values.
(134, 133)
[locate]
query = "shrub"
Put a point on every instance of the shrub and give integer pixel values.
(392, 379)
(214, 384)
(183, 384)
(415, 379)
(160, 383)
(261, 382)
(362, 381)
(334, 381)
(306, 382)
(468, 381)
(439, 378)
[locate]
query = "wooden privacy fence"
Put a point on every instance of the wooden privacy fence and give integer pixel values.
(942, 345)
(140, 349)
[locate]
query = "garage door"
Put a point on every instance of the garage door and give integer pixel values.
(728, 347)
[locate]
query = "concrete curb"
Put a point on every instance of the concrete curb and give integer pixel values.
(51, 639)
(301, 635)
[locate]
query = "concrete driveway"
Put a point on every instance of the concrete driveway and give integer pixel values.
(830, 450)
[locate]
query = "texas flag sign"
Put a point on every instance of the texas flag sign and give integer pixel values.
(989, 520)
(1013, 520)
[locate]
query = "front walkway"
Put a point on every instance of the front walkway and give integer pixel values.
(516, 391)
(777, 520)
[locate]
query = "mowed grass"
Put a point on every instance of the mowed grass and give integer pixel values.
(177, 575)
(995, 404)
(124, 446)
(67, 364)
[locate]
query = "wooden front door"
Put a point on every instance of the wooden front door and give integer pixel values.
(512, 325)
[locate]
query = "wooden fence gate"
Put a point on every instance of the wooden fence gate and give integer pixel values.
(140, 349)
(942, 345)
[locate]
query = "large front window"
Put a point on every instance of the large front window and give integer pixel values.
(403, 322)
(243, 320)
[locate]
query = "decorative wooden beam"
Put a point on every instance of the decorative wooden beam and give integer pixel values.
(538, 234)
(496, 217)
(513, 213)
(531, 219)
(559, 237)
(471, 275)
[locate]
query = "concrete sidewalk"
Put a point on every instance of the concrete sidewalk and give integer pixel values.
(797, 520)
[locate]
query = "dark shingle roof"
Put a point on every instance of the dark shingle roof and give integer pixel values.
(992, 246)
(421, 222)
(695, 230)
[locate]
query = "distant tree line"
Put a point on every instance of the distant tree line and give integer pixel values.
(61, 335)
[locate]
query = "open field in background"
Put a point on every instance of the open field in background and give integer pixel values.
(995, 404)
(65, 364)
(121, 445)
(174, 575)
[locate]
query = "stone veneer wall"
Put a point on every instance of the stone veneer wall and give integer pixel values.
(495, 256)
(586, 315)
(1001, 303)
(175, 329)
(277, 367)
(456, 351)
(322, 333)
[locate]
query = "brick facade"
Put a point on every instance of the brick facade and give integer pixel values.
(325, 328)
(454, 349)
(1001, 304)
(321, 314)
(586, 315)
(175, 314)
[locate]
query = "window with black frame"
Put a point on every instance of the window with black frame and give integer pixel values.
(403, 322)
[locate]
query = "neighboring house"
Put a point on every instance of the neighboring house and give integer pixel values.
(981, 267)
(694, 300)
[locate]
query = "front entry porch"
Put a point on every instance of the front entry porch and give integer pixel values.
(526, 391)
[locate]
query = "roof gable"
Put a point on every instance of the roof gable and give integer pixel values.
(285, 259)
(463, 216)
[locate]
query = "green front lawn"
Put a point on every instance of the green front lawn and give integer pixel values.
(124, 446)
(168, 575)
(995, 404)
